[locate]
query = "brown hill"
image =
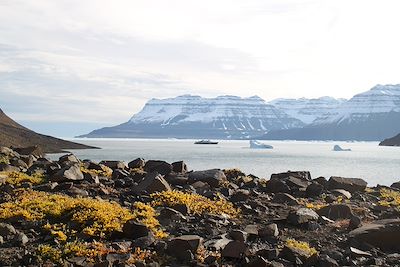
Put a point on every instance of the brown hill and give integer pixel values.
(393, 141)
(13, 134)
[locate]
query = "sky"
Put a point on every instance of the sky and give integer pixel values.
(68, 66)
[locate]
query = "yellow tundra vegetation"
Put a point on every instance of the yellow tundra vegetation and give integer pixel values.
(93, 217)
(389, 197)
(301, 246)
(17, 178)
(105, 171)
(4, 159)
(197, 204)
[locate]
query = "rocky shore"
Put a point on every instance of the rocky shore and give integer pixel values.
(76, 212)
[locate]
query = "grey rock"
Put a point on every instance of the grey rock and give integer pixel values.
(302, 215)
(213, 177)
(152, 183)
(350, 184)
(285, 198)
(68, 174)
(234, 249)
(336, 211)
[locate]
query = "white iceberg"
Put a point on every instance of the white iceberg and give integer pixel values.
(257, 144)
(338, 148)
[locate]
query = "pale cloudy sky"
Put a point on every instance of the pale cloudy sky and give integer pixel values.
(68, 66)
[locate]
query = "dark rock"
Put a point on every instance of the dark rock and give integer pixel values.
(303, 175)
(91, 178)
(159, 166)
(336, 211)
(177, 179)
(137, 163)
(259, 262)
(252, 229)
(234, 249)
(4, 167)
(18, 163)
(395, 185)
(168, 215)
(77, 192)
(301, 216)
(120, 174)
(285, 198)
(384, 234)
(133, 229)
(68, 160)
(238, 235)
(350, 184)
(314, 190)
(69, 173)
(326, 261)
(7, 230)
(180, 246)
(30, 150)
(341, 192)
(114, 164)
(355, 222)
(269, 230)
(277, 186)
(240, 195)
(21, 239)
(152, 183)
(213, 177)
(179, 167)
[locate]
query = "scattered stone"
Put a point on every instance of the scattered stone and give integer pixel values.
(180, 247)
(133, 229)
(68, 173)
(213, 177)
(179, 167)
(314, 190)
(336, 211)
(285, 198)
(238, 235)
(159, 166)
(384, 234)
(234, 249)
(114, 164)
(341, 192)
(137, 163)
(152, 183)
(350, 184)
(301, 216)
(269, 230)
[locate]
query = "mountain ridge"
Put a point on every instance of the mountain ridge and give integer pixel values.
(12, 134)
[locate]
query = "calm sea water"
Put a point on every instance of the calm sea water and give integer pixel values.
(367, 160)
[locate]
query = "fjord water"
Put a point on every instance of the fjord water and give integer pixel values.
(367, 160)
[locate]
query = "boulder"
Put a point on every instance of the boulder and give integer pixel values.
(152, 183)
(269, 230)
(179, 167)
(342, 193)
(68, 159)
(303, 175)
(301, 216)
(133, 229)
(68, 174)
(314, 190)
(114, 164)
(336, 211)
(213, 177)
(30, 150)
(7, 230)
(240, 195)
(137, 163)
(350, 184)
(277, 186)
(8, 168)
(159, 166)
(395, 185)
(180, 246)
(384, 234)
(285, 198)
(238, 235)
(234, 249)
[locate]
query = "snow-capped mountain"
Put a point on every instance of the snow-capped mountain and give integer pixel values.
(380, 99)
(307, 110)
(371, 116)
(187, 116)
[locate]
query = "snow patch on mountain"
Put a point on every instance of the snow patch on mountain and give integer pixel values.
(307, 110)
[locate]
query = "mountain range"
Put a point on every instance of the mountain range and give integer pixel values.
(15, 135)
(371, 115)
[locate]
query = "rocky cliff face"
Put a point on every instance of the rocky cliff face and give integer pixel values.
(15, 135)
(369, 116)
(224, 117)
(393, 141)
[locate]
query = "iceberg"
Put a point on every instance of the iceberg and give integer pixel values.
(338, 148)
(257, 144)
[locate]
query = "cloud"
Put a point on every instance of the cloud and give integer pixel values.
(99, 61)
